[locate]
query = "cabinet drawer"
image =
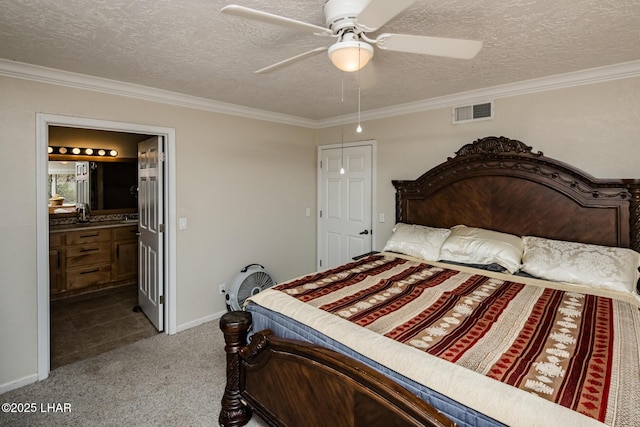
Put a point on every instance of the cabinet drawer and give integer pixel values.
(55, 240)
(88, 236)
(88, 254)
(125, 233)
(87, 276)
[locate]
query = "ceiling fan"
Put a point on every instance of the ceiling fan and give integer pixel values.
(349, 21)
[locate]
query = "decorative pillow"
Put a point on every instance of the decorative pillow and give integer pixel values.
(417, 240)
(593, 265)
(472, 245)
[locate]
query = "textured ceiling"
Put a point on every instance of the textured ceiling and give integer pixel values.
(189, 47)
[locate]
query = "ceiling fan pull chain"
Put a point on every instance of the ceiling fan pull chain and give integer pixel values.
(342, 123)
(359, 128)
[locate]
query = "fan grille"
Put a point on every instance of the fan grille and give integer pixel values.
(253, 284)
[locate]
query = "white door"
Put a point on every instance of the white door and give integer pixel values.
(151, 226)
(345, 202)
(82, 183)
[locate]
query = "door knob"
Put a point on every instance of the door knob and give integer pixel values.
(364, 232)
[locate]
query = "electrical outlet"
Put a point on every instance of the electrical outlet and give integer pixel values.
(223, 289)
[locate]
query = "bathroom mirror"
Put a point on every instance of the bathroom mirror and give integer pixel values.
(111, 187)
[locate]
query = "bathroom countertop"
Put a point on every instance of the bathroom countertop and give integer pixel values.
(91, 225)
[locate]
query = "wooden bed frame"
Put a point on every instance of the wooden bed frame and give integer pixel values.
(494, 183)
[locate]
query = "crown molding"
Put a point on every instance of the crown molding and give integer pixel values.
(559, 81)
(81, 81)
(40, 74)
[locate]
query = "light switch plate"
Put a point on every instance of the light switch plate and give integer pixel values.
(182, 223)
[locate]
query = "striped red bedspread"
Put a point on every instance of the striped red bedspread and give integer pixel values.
(567, 347)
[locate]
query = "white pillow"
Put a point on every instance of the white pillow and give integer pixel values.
(597, 266)
(417, 240)
(470, 245)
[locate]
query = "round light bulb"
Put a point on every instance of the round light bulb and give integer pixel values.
(113, 153)
(50, 150)
(76, 151)
(62, 150)
(101, 152)
(88, 151)
(341, 171)
(359, 128)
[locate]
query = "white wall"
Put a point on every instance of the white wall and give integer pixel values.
(244, 186)
(594, 127)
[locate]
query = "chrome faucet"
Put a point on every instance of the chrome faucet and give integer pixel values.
(83, 212)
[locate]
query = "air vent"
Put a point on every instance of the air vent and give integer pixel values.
(472, 113)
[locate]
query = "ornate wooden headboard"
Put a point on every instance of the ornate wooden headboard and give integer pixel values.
(500, 184)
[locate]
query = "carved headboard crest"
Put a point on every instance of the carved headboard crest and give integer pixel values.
(494, 145)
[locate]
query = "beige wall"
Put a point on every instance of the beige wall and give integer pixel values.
(244, 186)
(594, 127)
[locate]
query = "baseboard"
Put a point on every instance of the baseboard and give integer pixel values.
(200, 321)
(4, 388)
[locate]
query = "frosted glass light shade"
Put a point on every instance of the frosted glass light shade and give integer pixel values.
(350, 55)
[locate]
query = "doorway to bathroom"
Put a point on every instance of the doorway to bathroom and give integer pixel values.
(116, 297)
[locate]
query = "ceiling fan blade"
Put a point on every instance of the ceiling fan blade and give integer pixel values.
(290, 61)
(270, 18)
(436, 46)
(378, 12)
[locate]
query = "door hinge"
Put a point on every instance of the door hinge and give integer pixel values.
(161, 299)
(320, 263)
(161, 228)
(320, 214)
(161, 156)
(320, 164)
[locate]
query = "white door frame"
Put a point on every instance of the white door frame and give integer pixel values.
(43, 121)
(374, 173)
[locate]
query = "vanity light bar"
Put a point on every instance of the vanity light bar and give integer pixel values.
(77, 151)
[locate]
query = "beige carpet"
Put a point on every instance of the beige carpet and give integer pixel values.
(165, 380)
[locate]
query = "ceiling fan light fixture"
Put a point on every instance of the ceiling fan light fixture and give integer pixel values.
(350, 55)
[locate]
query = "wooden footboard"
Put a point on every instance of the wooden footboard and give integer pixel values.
(291, 383)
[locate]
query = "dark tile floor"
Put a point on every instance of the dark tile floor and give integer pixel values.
(88, 325)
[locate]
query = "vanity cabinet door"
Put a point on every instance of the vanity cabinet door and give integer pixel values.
(56, 264)
(125, 255)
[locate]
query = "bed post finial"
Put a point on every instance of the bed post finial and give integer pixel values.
(235, 326)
